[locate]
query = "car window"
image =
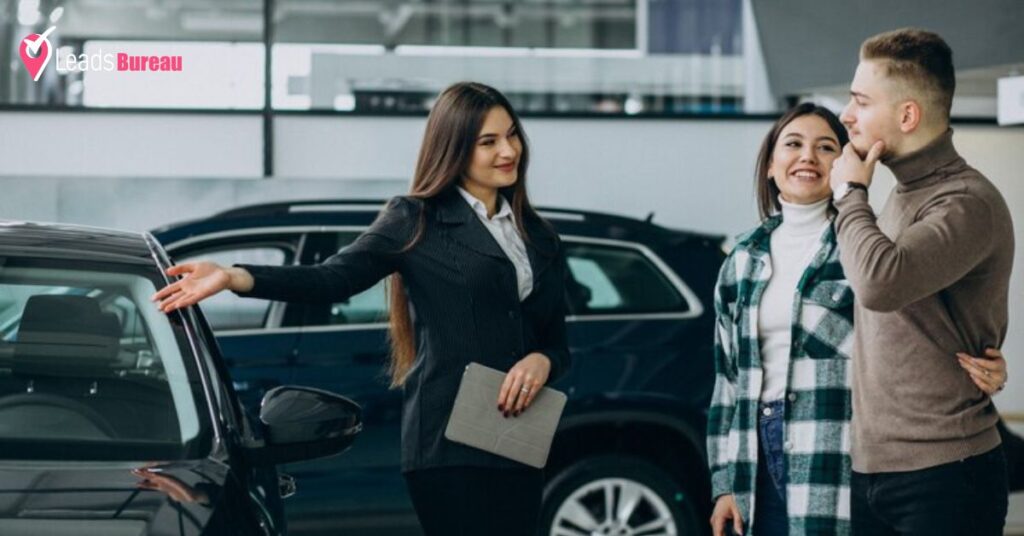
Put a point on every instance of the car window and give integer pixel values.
(227, 311)
(86, 358)
(367, 307)
(611, 279)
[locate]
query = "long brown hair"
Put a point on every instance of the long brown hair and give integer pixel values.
(767, 191)
(448, 144)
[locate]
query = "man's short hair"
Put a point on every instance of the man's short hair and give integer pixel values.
(918, 58)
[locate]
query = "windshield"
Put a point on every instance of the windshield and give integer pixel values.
(90, 369)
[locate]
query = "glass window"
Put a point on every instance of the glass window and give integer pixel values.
(548, 56)
(367, 307)
(223, 76)
(569, 56)
(618, 280)
(226, 310)
(146, 54)
(607, 24)
(87, 361)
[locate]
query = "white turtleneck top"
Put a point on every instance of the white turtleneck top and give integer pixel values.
(793, 245)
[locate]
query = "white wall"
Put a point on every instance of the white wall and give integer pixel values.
(694, 174)
(632, 167)
(89, 144)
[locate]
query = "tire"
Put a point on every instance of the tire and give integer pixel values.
(574, 501)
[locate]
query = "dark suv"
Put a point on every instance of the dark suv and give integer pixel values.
(629, 454)
(116, 419)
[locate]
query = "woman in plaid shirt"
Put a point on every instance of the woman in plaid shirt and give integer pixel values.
(778, 439)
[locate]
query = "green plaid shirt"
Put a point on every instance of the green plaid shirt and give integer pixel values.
(817, 416)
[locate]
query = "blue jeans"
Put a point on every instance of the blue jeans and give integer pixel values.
(770, 517)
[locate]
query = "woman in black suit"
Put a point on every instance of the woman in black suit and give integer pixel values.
(476, 275)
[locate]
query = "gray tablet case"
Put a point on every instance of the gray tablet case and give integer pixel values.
(476, 421)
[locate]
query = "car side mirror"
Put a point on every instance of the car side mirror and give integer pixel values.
(303, 423)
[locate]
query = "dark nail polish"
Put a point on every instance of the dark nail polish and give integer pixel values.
(501, 407)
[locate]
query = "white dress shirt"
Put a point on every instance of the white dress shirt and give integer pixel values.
(503, 228)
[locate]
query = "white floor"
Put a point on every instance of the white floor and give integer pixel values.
(1015, 518)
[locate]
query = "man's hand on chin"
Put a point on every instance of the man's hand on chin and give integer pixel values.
(849, 167)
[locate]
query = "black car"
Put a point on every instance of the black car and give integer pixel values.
(629, 453)
(116, 419)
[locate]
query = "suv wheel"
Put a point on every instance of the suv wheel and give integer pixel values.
(616, 496)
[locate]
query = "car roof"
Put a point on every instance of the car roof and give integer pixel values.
(362, 212)
(75, 241)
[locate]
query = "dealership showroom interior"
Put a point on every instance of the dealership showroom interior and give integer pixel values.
(511, 267)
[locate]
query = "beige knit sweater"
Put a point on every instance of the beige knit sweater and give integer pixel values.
(931, 277)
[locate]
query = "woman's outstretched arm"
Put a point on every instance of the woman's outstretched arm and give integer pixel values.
(373, 256)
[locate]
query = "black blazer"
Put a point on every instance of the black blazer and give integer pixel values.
(465, 307)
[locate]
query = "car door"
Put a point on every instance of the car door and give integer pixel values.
(632, 321)
(343, 348)
(256, 349)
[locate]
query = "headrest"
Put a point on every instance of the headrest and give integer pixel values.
(66, 336)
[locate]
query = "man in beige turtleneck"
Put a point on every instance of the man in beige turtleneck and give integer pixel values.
(931, 276)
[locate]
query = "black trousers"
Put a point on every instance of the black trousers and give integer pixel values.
(476, 501)
(962, 498)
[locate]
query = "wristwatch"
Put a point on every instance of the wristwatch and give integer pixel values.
(847, 187)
